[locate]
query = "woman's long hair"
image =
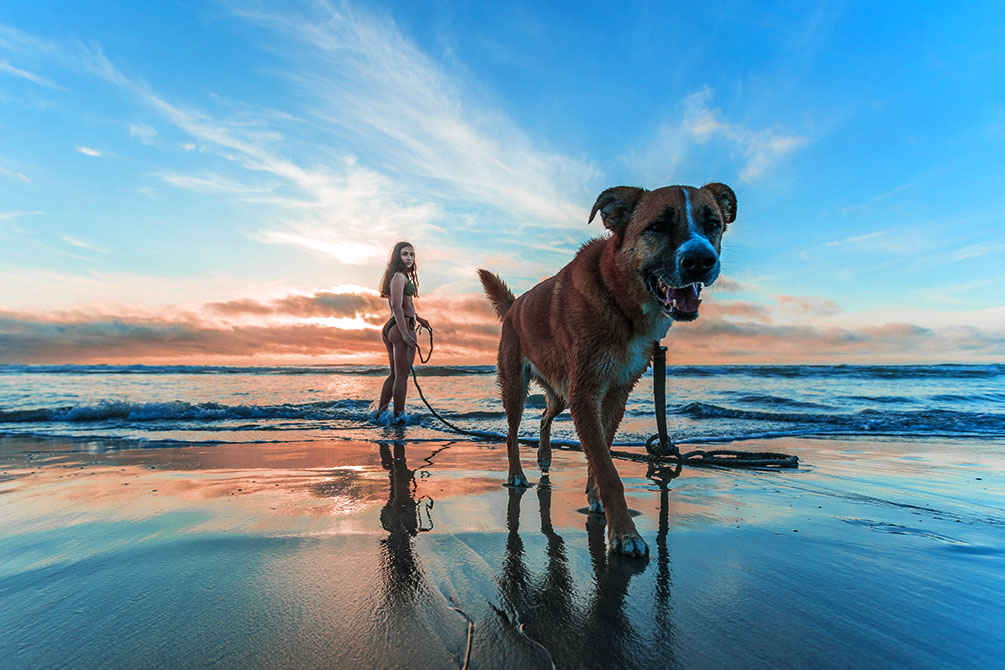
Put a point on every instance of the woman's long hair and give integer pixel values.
(394, 264)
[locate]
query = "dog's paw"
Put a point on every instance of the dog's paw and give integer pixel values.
(596, 507)
(629, 545)
(519, 481)
(544, 463)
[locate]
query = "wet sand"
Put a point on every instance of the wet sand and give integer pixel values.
(352, 554)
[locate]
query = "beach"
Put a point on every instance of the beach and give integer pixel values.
(875, 552)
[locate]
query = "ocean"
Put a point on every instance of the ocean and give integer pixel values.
(214, 404)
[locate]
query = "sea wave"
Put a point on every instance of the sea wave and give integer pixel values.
(947, 370)
(110, 410)
(775, 401)
(866, 420)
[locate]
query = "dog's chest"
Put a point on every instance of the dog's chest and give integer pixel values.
(626, 368)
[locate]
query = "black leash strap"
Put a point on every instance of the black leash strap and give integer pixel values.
(417, 348)
(665, 448)
(662, 449)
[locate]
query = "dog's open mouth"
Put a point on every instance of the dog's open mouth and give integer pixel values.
(680, 303)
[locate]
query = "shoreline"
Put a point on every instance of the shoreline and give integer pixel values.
(346, 553)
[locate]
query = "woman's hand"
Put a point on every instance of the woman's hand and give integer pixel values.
(410, 340)
(423, 322)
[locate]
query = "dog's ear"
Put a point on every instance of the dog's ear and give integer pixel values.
(725, 198)
(616, 206)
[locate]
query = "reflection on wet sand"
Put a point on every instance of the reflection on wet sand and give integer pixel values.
(538, 594)
(548, 609)
(400, 517)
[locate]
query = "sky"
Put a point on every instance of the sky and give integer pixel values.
(222, 182)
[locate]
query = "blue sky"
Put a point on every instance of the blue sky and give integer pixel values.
(157, 159)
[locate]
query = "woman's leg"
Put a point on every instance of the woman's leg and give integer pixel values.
(401, 365)
(388, 387)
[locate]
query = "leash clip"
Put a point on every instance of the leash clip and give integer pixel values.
(661, 446)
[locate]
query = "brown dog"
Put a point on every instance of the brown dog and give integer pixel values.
(586, 334)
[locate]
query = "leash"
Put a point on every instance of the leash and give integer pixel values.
(660, 449)
(418, 330)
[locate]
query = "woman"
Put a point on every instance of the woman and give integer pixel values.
(399, 285)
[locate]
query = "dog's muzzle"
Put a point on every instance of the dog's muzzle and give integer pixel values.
(682, 303)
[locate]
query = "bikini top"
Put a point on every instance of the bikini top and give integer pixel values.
(409, 288)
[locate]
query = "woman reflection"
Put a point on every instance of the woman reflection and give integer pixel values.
(399, 517)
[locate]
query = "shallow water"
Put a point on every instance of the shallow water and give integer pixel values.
(723, 403)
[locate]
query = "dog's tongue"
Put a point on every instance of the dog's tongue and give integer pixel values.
(685, 299)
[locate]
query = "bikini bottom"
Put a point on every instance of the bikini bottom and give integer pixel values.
(390, 324)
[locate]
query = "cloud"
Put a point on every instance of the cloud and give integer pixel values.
(321, 303)
(87, 151)
(715, 309)
(763, 148)
(362, 74)
(399, 146)
(330, 204)
(803, 305)
(27, 340)
(344, 326)
(211, 183)
(146, 134)
(700, 123)
(15, 214)
(15, 175)
(81, 244)
(731, 342)
(25, 74)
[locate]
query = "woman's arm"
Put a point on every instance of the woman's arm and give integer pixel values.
(397, 294)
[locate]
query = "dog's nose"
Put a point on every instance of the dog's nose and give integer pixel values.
(698, 260)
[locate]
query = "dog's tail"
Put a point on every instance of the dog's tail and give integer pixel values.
(499, 294)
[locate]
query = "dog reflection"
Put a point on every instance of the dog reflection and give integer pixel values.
(577, 631)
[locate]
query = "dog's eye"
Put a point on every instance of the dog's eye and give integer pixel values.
(660, 226)
(713, 224)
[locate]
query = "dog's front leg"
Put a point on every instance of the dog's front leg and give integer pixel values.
(612, 410)
(621, 533)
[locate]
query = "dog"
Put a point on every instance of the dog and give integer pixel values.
(586, 334)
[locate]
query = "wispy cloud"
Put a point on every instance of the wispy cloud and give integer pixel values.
(975, 251)
(88, 151)
(81, 244)
(25, 74)
(363, 75)
(212, 183)
(146, 134)
(337, 202)
(15, 214)
(900, 241)
(763, 148)
(700, 122)
(15, 175)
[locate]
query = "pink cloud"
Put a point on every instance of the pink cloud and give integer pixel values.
(250, 331)
(808, 305)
